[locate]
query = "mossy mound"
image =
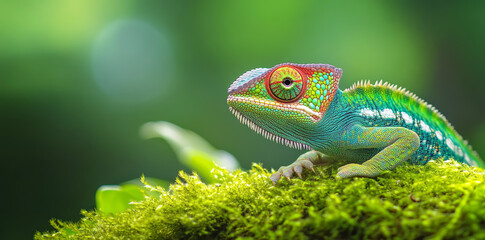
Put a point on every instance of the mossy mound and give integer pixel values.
(439, 200)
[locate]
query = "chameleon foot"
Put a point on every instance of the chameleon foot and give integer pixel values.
(287, 171)
(356, 170)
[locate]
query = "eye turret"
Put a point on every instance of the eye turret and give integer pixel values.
(286, 84)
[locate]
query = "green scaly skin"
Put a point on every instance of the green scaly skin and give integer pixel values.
(371, 127)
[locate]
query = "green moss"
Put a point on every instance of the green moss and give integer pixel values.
(439, 200)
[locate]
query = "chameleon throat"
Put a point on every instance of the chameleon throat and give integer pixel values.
(267, 134)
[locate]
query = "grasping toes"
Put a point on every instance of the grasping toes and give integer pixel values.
(287, 171)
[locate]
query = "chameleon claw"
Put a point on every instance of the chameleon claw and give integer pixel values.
(275, 177)
(288, 178)
(298, 170)
(288, 173)
(306, 163)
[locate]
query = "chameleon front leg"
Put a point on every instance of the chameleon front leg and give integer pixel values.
(399, 144)
(306, 160)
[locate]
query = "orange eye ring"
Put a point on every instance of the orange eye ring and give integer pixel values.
(286, 84)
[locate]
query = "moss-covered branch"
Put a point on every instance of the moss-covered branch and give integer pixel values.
(442, 200)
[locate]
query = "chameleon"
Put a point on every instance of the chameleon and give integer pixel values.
(371, 128)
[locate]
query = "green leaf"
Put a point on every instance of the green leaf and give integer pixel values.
(117, 198)
(114, 198)
(191, 149)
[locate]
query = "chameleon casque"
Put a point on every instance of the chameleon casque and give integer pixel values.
(372, 127)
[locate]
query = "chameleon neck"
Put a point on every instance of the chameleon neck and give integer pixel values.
(327, 136)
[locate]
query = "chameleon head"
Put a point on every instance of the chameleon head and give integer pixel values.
(285, 102)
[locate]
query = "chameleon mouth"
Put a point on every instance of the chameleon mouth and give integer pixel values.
(266, 134)
(314, 116)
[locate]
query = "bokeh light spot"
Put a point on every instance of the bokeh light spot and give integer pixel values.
(132, 61)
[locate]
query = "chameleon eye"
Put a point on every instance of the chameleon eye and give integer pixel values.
(285, 84)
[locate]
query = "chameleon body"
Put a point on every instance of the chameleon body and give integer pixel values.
(372, 127)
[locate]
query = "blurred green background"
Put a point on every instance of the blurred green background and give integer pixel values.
(78, 79)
